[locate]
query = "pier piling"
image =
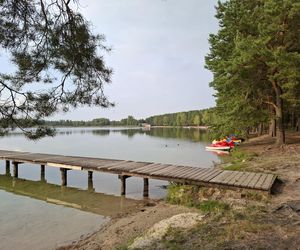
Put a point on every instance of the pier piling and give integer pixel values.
(42, 172)
(146, 187)
(7, 169)
(90, 175)
(90, 181)
(16, 169)
(63, 172)
(123, 184)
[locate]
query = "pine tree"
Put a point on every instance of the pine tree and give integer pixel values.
(57, 62)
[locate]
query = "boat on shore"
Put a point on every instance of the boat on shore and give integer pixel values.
(217, 148)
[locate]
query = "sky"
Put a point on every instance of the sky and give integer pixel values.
(158, 50)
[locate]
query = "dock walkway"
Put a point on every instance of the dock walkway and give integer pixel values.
(206, 177)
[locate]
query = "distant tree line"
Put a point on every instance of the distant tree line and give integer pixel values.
(129, 121)
(189, 118)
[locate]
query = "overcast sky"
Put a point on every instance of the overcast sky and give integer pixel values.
(158, 55)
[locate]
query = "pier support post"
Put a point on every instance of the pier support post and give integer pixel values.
(123, 184)
(90, 175)
(16, 169)
(90, 181)
(7, 169)
(146, 187)
(63, 172)
(42, 172)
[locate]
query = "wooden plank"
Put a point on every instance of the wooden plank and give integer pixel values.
(219, 178)
(166, 168)
(183, 169)
(230, 177)
(239, 182)
(95, 164)
(205, 174)
(57, 165)
(147, 170)
(165, 171)
(38, 158)
(247, 181)
(201, 172)
(162, 167)
(147, 166)
(108, 164)
(182, 173)
(212, 175)
(130, 166)
(178, 169)
(268, 182)
(252, 183)
(192, 173)
(261, 181)
(6, 152)
(236, 178)
(113, 165)
(14, 156)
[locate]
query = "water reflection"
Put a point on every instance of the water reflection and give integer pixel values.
(85, 200)
(192, 134)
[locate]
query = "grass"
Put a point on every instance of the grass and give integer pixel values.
(219, 228)
(236, 167)
(186, 195)
(173, 239)
(210, 206)
(239, 160)
(182, 194)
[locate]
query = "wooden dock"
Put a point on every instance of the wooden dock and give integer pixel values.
(205, 177)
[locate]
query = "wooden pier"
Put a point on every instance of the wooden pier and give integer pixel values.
(205, 177)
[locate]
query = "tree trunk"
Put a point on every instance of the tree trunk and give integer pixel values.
(298, 124)
(272, 128)
(260, 129)
(280, 133)
(280, 138)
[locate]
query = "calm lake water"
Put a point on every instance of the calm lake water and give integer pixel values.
(40, 214)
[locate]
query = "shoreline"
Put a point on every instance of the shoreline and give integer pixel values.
(271, 222)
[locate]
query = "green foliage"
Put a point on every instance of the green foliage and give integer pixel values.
(173, 239)
(239, 160)
(235, 167)
(189, 196)
(212, 206)
(255, 61)
(56, 60)
(189, 118)
(181, 194)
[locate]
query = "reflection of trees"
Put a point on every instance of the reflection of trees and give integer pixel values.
(102, 132)
(192, 134)
(195, 135)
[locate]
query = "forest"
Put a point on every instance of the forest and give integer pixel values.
(255, 62)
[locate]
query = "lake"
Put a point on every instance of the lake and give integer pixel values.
(40, 214)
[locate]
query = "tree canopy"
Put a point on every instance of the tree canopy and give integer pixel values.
(255, 60)
(57, 62)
